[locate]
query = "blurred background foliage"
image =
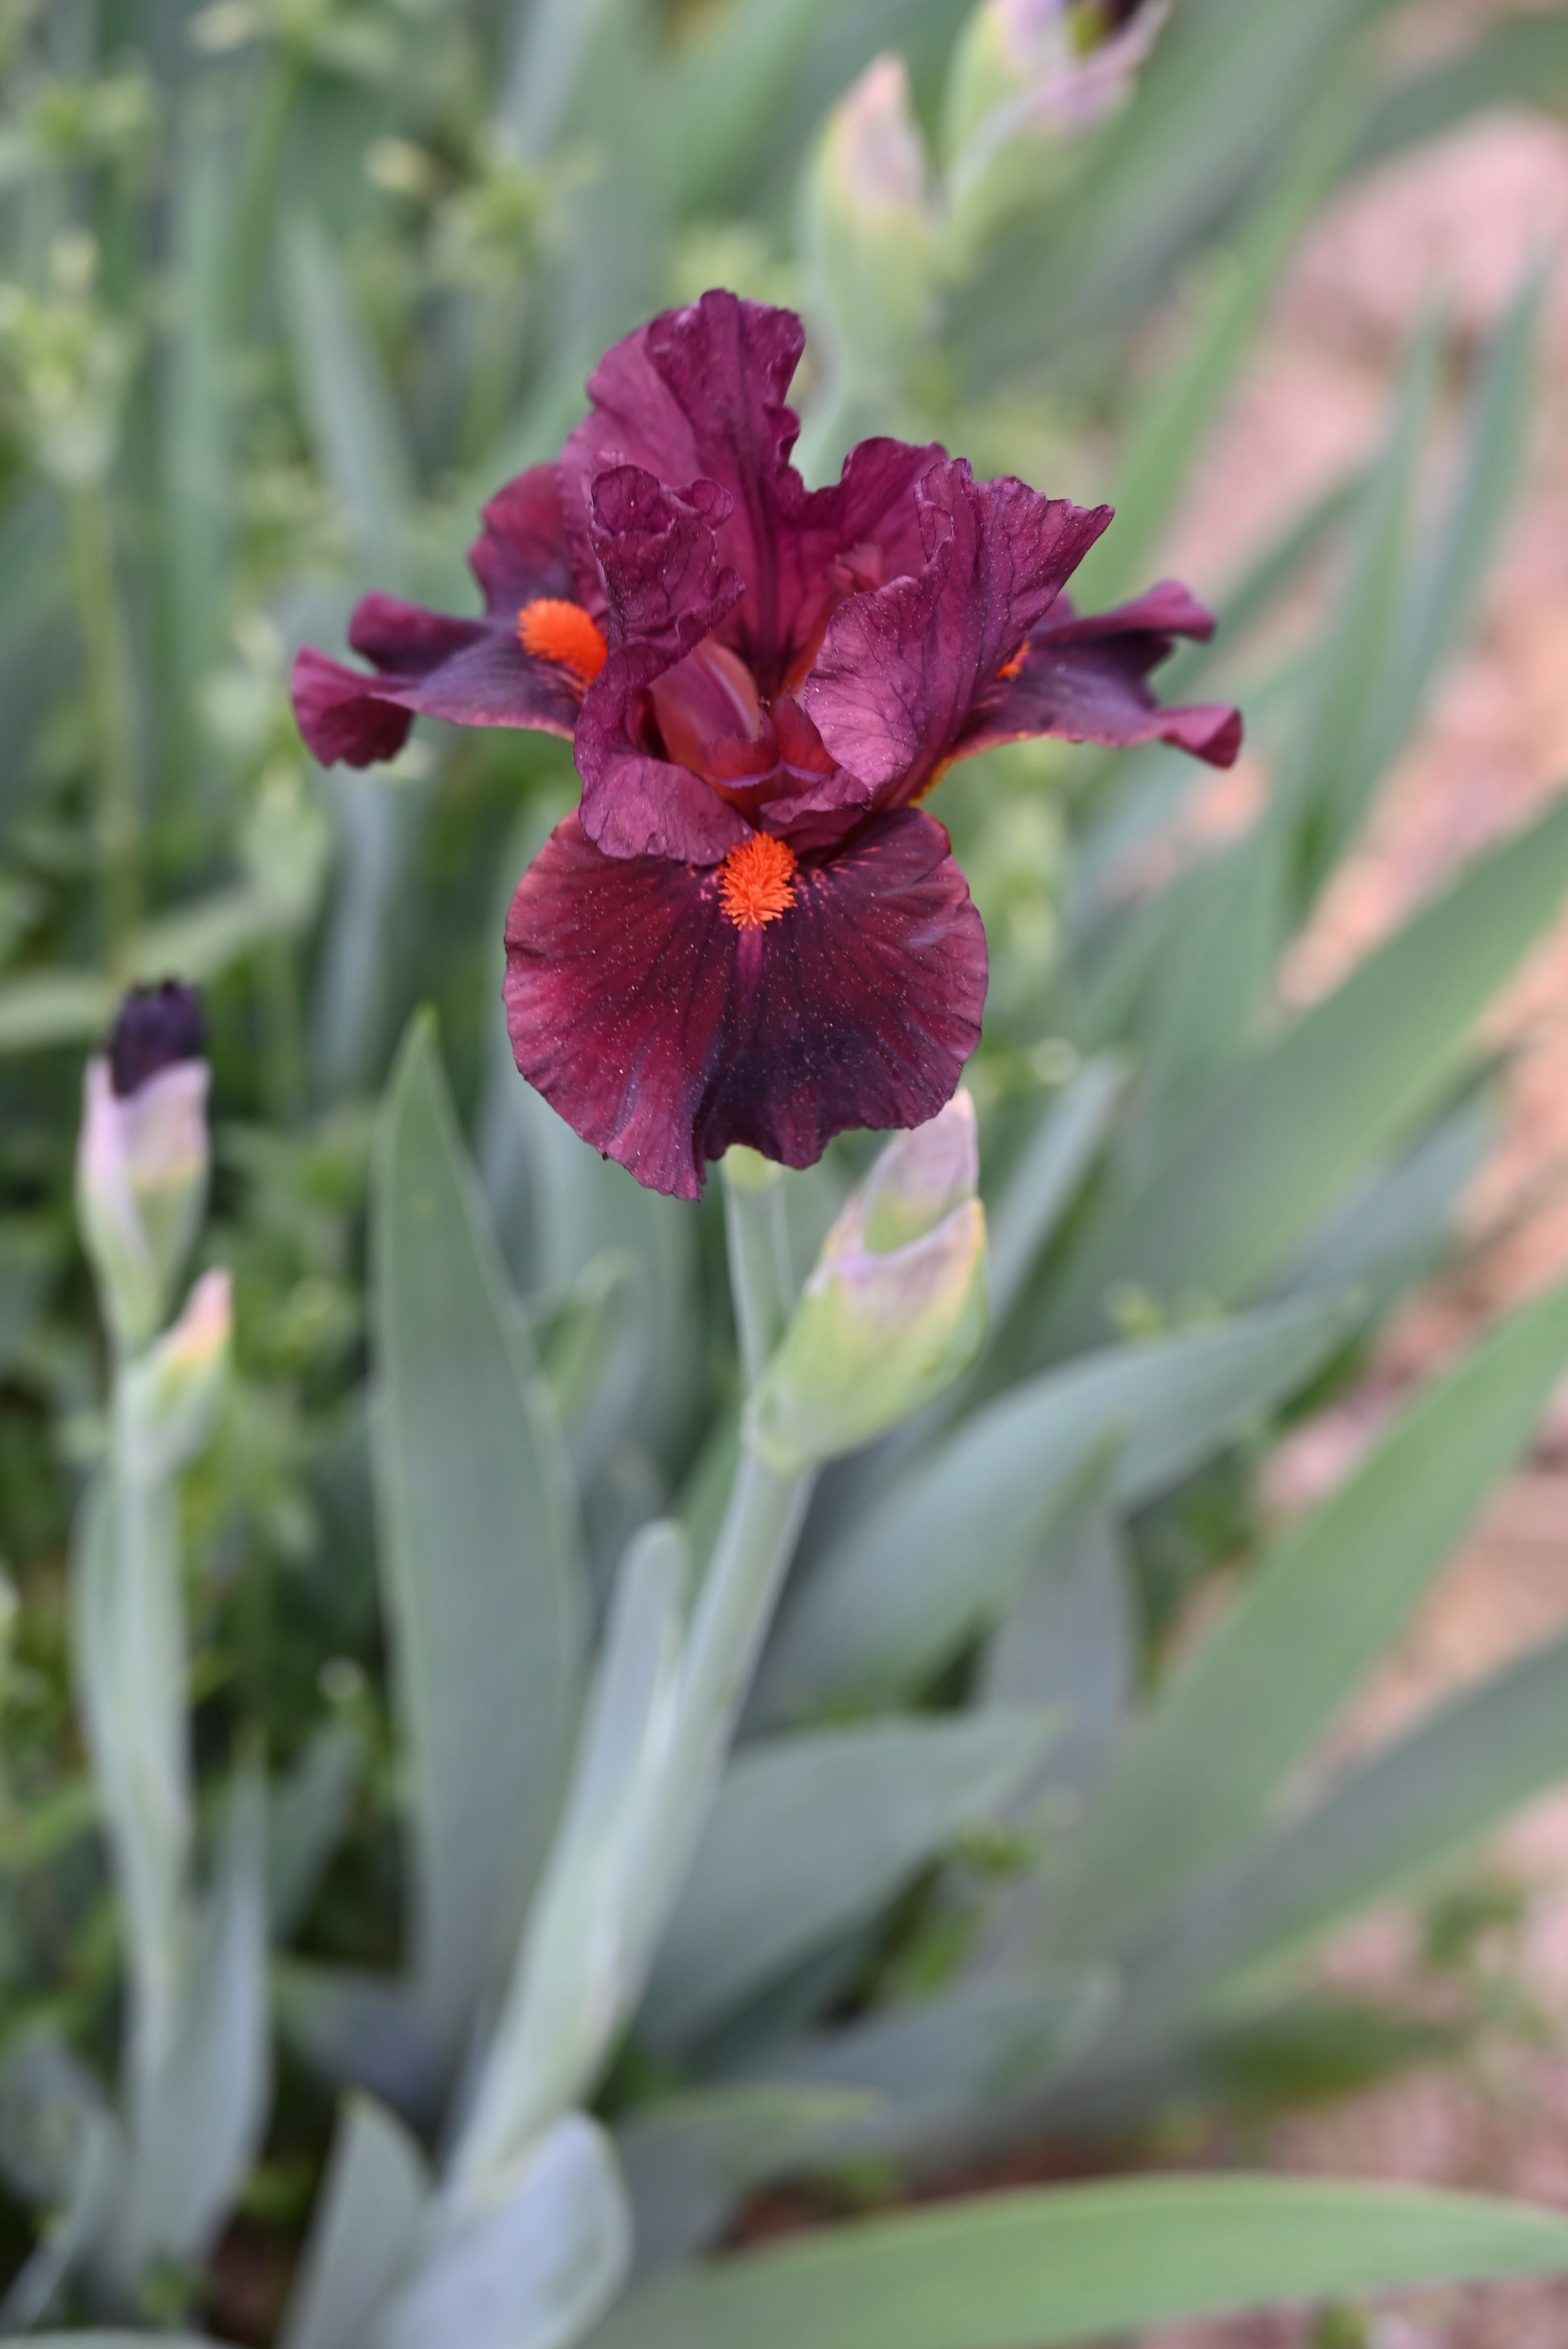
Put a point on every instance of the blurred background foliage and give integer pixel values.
(288, 287)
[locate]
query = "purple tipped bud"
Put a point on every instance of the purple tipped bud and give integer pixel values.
(142, 1156)
(157, 1027)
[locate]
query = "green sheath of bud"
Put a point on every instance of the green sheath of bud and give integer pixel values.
(141, 1184)
(894, 1309)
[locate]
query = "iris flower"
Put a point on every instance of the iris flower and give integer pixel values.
(749, 930)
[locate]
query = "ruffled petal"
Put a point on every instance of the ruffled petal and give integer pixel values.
(1087, 680)
(665, 589)
(663, 1033)
(699, 393)
(857, 533)
(524, 552)
(900, 669)
(657, 551)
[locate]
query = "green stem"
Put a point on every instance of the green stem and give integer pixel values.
(130, 1632)
(118, 815)
(734, 1610)
(760, 1277)
(519, 2097)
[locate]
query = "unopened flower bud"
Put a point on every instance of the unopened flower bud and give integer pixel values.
(143, 1157)
(1027, 76)
(872, 236)
(895, 1309)
(168, 1399)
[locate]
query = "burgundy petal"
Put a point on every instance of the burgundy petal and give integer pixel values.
(341, 714)
(522, 551)
(858, 532)
(471, 672)
(1087, 680)
(658, 553)
(699, 393)
(900, 669)
(666, 590)
(663, 1033)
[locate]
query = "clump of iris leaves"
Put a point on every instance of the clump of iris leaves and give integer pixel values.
(285, 286)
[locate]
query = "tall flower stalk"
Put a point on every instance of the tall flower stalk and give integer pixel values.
(663, 1717)
(142, 1171)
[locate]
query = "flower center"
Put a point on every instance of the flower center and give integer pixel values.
(554, 630)
(757, 881)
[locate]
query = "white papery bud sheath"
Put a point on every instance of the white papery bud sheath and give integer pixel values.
(142, 1166)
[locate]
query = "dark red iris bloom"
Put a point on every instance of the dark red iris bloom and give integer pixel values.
(748, 932)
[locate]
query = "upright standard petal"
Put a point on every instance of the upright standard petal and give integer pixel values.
(528, 662)
(666, 590)
(667, 1011)
(522, 551)
(900, 669)
(1087, 680)
(699, 393)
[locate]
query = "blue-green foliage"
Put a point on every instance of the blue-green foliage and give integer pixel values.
(440, 1700)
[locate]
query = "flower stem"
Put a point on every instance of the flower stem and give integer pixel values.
(734, 1610)
(760, 1277)
(117, 817)
(522, 2090)
(534, 2074)
(130, 1645)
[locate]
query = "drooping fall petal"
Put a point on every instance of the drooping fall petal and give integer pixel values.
(1087, 680)
(494, 671)
(663, 1029)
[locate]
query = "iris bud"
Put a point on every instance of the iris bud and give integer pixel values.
(142, 1160)
(1026, 78)
(895, 1308)
(872, 238)
(168, 1399)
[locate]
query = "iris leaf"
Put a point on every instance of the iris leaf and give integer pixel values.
(1383, 1827)
(813, 1834)
(483, 1581)
(203, 2112)
(349, 405)
(1263, 1158)
(1023, 2270)
(690, 2159)
(1208, 1760)
(364, 2235)
(937, 1556)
